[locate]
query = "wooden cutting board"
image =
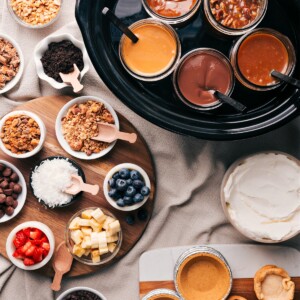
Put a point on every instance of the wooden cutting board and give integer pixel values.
(156, 266)
(47, 108)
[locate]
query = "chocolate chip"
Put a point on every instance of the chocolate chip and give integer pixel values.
(15, 204)
(9, 201)
(8, 192)
(14, 177)
(7, 172)
(17, 188)
(4, 184)
(2, 198)
(9, 210)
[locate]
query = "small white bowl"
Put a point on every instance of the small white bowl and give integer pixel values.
(109, 175)
(80, 288)
(10, 247)
(17, 78)
(42, 137)
(41, 48)
(64, 143)
(22, 197)
(27, 25)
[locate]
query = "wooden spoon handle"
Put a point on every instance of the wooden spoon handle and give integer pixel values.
(55, 286)
(129, 137)
(77, 86)
(89, 188)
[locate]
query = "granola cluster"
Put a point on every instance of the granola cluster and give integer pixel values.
(36, 12)
(20, 134)
(80, 125)
(9, 62)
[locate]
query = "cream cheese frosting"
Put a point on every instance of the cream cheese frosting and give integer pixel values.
(263, 196)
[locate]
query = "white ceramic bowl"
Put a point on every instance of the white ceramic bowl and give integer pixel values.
(64, 143)
(80, 288)
(27, 25)
(42, 137)
(17, 78)
(235, 224)
(22, 197)
(42, 46)
(10, 247)
(109, 175)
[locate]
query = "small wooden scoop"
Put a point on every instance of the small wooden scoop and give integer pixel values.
(109, 133)
(73, 79)
(79, 186)
(61, 264)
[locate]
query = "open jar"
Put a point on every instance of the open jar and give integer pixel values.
(236, 17)
(256, 54)
(156, 53)
(172, 12)
(198, 73)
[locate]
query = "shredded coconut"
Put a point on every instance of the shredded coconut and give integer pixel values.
(50, 179)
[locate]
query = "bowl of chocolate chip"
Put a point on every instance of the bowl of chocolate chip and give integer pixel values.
(11, 63)
(13, 191)
(57, 54)
(78, 293)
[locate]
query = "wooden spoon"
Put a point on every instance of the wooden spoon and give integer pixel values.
(79, 186)
(109, 133)
(61, 264)
(73, 79)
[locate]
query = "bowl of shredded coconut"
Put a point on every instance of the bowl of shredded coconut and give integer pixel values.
(51, 177)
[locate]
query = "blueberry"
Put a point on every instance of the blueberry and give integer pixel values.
(124, 173)
(116, 176)
(112, 182)
(138, 184)
(113, 193)
(145, 191)
(129, 181)
(121, 185)
(134, 175)
(142, 214)
(130, 219)
(128, 200)
(138, 198)
(120, 202)
(130, 192)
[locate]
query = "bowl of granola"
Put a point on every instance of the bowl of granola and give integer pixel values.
(76, 125)
(11, 63)
(22, 134)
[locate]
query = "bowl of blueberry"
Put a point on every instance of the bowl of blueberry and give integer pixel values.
(127, 187)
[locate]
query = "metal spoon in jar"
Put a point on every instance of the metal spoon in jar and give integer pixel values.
(285, 78)
(79, 186)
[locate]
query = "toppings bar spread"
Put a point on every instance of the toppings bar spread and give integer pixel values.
(171, 8)
(9, 62)
(262, 196)
(235, 14)
(154, 53)
(260, 54)
(60, 57)
(203, 276)
(201, 72)
(36, 12)
(80, 125)
(20, 134)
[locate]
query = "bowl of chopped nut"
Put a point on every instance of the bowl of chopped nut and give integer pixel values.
(22, 134)
(35, 14)
(76, 125)
(11, 63)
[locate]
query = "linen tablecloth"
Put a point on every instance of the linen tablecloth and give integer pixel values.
(189, 174)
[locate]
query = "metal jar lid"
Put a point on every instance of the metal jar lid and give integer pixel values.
(198, 250)
(161, 292)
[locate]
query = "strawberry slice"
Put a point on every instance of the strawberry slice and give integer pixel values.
(24, 248)
(30, 251)
(28, 261)
(20, 239)
(46, 246)
(45, 252)
(35, 234)
(27, 231)
(38, 254)
(18, 255)
(44, 239)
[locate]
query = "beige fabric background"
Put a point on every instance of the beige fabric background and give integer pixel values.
(189, 173)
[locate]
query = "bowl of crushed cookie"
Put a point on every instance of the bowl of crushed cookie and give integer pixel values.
(76, 125)
(57, 54)
(22, 134)
(35, 14)
(11, 63)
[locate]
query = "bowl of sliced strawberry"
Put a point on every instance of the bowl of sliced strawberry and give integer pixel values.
(30, 245)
